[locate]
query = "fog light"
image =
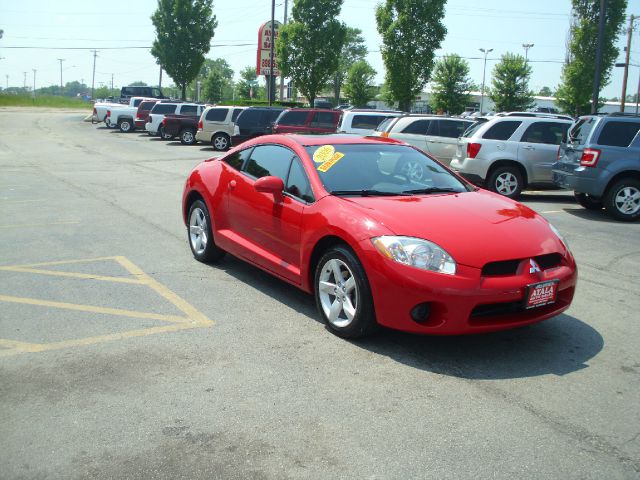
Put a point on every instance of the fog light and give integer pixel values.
(420, 313)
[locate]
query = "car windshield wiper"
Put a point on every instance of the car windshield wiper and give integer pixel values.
(367, 193)
(432, 190)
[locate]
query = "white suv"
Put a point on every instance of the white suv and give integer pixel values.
(160, 109)
(508, 154)
(364, 122)
(216, 125)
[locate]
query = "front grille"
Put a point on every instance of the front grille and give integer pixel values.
(510, 267)
(494, 309)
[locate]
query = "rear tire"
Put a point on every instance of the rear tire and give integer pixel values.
(163, 134)
(125, 126)
(507, 181)
(622, 200)
(343, 295)
(588, 201)
(188, 136)
(220, 142)
(201, 241)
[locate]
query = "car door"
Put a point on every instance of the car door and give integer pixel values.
(538, 149)
(264, 227)
(413, 133)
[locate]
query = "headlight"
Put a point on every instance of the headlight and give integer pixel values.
(416, 252)
(557, 232)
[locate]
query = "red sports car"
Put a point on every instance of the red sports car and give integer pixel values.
(380, 233)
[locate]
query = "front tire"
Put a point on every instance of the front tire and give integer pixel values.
(188, 136)
(164, 135)
(220, 142)
(622, 200)
(343, 295)
(507, 181)
(588, 202)
(199, 234)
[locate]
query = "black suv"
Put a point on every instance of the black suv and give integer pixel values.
(136, 91)
(254, 122)
(599, 159)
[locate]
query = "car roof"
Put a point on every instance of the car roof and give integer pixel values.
(332, 139)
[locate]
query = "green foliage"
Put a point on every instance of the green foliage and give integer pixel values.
(48, 101)
(358, 86)
(451, 85)
(217, 80)
(184, 29)
(545, 92)
(576, 88)
(139, 83)
(308, 49)
(411, 33)
(248, 83)
(510, 91)
(353, 50)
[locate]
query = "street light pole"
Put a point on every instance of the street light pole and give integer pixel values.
(61, 87)
(484, 69)
(34, 83)
(626, 64)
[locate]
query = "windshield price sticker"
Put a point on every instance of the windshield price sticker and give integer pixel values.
(324, 154)
(331, 162)
(540, 294)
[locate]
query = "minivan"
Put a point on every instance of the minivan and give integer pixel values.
(307, 120)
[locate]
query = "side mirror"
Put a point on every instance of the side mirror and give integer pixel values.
(273, 185)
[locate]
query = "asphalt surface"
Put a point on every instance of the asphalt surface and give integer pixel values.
(123, 357)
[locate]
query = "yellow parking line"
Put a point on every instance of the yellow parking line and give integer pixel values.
(42, 347)
(93, 309)
(63, 262)
(23, 225)
(84, 276)
(15, 345)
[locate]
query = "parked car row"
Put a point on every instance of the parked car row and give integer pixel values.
(597, 156)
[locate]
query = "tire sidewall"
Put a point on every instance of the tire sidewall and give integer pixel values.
(211, 251)
(125, 122)
(193, 137)
(364, 320)
(220, 135)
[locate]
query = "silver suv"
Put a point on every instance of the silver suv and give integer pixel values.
(509, 154)
(435, 135)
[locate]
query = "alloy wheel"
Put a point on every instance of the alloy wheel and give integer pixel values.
(220, 142)
(627, 200)
(338, 293)
(506, 183)
(198, 230)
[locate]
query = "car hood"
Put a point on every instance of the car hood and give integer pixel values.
(474, 227)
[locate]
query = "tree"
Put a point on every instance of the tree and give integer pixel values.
(217, 80)
(576, 88)
(510, 91)
(248, 82)
(358, 86)
(308, 48)
(138, 84)
(451, 85)
(353, 50)
(184, 29)
(545, 92)
(411, 33)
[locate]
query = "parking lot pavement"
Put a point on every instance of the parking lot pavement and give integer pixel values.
(122, 357)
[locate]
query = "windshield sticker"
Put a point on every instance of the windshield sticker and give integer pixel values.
(324, 154)
(331, 162)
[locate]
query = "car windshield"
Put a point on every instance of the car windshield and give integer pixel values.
(381, 169)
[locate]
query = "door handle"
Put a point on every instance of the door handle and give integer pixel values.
(528, 147)
(232, 184)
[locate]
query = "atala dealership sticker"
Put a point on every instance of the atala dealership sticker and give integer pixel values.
(540, 294)
(331, 162)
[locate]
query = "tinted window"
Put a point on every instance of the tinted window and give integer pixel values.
(366, 121)
(618, 134)
(473, 128)
(189, 110)
(501, 130)
(271, 115)
(237, 159)
(451, 128)
(249, 118)
(269, 160)
(163, 108)
(216, 114)
(323, 120)
(235, 114)
(545, 132)
(147, 105)
(137, 102)
(579, 132)
(385, 124)
(419, 127)
(293, 117)
(298, 183)
(156, 92)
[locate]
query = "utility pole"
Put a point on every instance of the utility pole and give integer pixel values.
(286, 8)
(272, 83)
(596, 80)
(526, 47)
(112, 84)
(25, 81)
(61, 87)
(484, 69)
(7, 77)
(34, 83)
(160, 79)
(626, 64)
(93, 79)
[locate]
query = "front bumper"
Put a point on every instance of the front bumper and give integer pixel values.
(464, 303)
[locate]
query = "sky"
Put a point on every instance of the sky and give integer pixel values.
(122, 33)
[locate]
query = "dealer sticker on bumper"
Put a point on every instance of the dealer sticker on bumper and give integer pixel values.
(540, 294)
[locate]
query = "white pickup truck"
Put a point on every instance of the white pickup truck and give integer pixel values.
(100, 110)
(123, 116)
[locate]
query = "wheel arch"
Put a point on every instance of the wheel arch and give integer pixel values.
(191, 197)
(509, 163)
(635, 174)
(321, 246)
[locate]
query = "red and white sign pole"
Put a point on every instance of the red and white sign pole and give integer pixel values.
(265, 59)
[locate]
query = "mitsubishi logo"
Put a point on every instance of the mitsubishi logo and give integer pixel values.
(533, 266)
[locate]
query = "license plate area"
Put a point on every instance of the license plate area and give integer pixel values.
(541, 294)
